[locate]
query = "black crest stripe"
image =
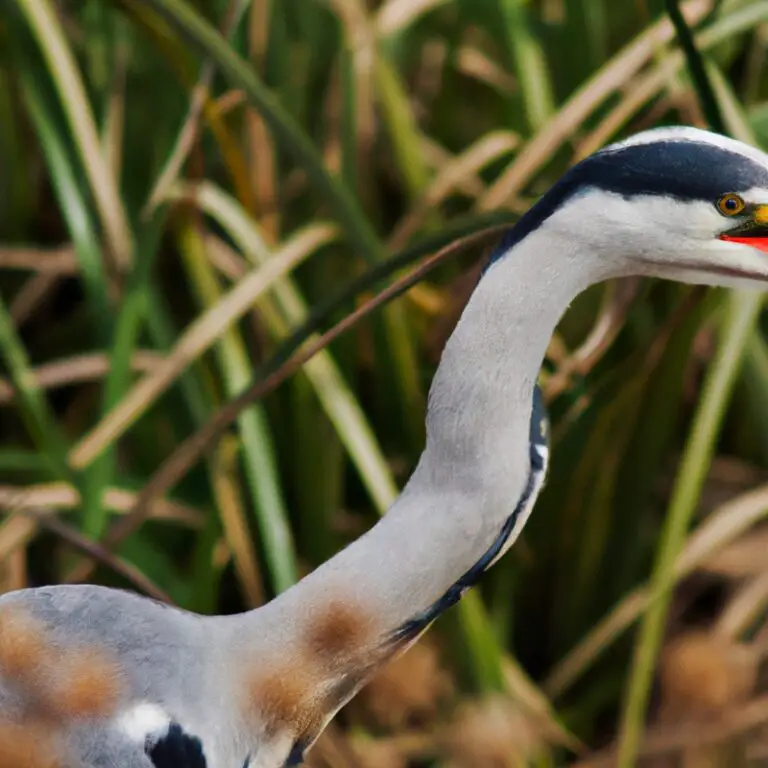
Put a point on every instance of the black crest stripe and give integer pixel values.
(685, 170)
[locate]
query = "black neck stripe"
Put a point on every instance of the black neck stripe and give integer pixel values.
(537, 439)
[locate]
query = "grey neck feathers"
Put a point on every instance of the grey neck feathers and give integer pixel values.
(474, 469)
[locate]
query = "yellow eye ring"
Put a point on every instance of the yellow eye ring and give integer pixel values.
(730, 205)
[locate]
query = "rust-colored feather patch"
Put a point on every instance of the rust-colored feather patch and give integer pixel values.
(57, 682)
(337, 631)
(295, 693)
(282, 697)
(28, 746)
(24, 653)
(86, 684)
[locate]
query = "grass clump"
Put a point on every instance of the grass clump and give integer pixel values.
(188, 192)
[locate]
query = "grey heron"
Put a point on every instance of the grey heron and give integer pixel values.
(91, 676)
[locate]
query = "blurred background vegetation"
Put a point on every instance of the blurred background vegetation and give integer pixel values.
(192, 191)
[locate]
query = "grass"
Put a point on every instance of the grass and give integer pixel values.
(218, 184)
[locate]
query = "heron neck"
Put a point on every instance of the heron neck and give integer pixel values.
(473, 470)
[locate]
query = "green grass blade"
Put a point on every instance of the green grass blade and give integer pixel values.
(530, 64)
(34, 409)
(397, 343)
(485, 654)
(403, 131)
(45, 25)
(287, 131)
(182, 145)
(259, 459)
(333, 391)
(129, 323)
(740, 315)
(321, 312)
(73, 204)
(695, 62)
(18, 460)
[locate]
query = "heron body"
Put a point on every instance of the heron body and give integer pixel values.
(96, 677)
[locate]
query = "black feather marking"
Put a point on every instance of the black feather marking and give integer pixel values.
(538, 437)
(678, 168)
(537, 441)
(296, 756)
(177, 749)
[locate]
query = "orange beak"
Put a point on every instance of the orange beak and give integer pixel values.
(753, 232)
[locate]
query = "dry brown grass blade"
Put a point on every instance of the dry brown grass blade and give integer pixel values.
(744, 607)
(17, 530)
(619, 297)
(190, 451)
(261, 148)
(190, 128)
(451, 174)
(13, 572)
(721, 528)
(54, 46)
(353, 15)
(474, 63)
(184, 143)
(198, 337)
(436, 156)
(743, 559)
(665, 740)
(99, 554)
(653, 356)
(414, 747)
(395, 16)
(229, 502)
(113, 133)
(570, 117)
(638, 94)
(332, 750)
(334, 113)
(31, 295)
(537, 706)
(78, 370)
(57, 261)
(227, 103)
(15, 533)
(362, 45)
(264, 174)
(53, 496)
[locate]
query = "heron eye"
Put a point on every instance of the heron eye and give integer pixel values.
(730, 205)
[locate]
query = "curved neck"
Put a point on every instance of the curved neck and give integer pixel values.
(475, 468)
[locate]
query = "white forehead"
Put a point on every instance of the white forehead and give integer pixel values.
(689, 133)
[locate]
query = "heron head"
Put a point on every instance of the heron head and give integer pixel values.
(680, 203)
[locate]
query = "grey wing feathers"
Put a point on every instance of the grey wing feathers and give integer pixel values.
(103, 748)
(126, 629)
(116, 674)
